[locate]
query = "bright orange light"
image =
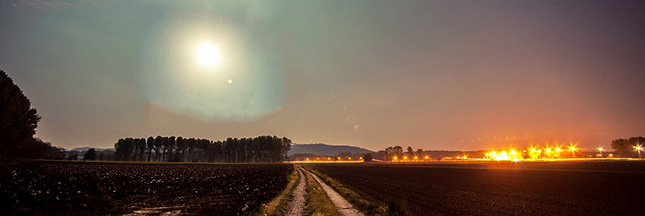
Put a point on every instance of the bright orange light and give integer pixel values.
(395, 158)
(427, 157)
(349, 158)
(532, 150)
(557, 149)
(416, 158)
(548, 150)
(405, 157)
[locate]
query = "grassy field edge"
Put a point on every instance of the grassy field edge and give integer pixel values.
(277, 205)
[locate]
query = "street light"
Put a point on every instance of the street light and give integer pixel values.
(548, 152)
(557, 149)
(600, 150)
(573, 149)
(638, 148)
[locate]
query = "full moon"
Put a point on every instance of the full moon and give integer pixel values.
(208, 55)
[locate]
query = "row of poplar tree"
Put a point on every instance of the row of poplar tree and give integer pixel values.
(233, 150)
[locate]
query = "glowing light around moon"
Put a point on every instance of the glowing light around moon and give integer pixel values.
(239, 78)
(208, 55)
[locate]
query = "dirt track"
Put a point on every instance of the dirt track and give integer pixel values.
(603, 188)
(297, 205)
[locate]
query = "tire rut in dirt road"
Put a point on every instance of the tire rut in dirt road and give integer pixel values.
(344, 207)
(297, 205)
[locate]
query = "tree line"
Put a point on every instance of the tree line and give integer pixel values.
(397, 151)
(261, 149)
(335, 157)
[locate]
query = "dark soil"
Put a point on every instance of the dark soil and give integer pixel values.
(91, 189)
(567, 188)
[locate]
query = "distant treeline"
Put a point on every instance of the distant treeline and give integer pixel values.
(335, 157)
(234, 150)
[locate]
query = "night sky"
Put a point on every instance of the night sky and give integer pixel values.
(453, 75)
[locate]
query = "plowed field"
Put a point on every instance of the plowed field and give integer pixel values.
(91, 189)
(567, 188)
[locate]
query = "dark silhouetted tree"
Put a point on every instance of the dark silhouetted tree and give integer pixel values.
(158, 144)
(36, 148)
(141, 148)
(170, 147)
(625, 147)
(181, 148)
(286, 146)
(367, 157)
(124, 149)
(410, 152)
(18, 121)
(90, 154)
(151, 145)
(397, 151)
(389, 153)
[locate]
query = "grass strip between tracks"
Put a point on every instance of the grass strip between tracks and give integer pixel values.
(352, 197)
(318, 203)
(278, 204)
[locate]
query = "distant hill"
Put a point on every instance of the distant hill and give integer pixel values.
(83, 149)
(324, 149)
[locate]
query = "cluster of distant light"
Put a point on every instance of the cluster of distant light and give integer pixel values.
(548, 152)
(410, 159)
(330, 160)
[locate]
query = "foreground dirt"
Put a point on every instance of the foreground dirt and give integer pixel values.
(297, 205)
(570, 188)
(90, 189)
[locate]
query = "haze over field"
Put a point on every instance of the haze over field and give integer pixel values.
(454, 75)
